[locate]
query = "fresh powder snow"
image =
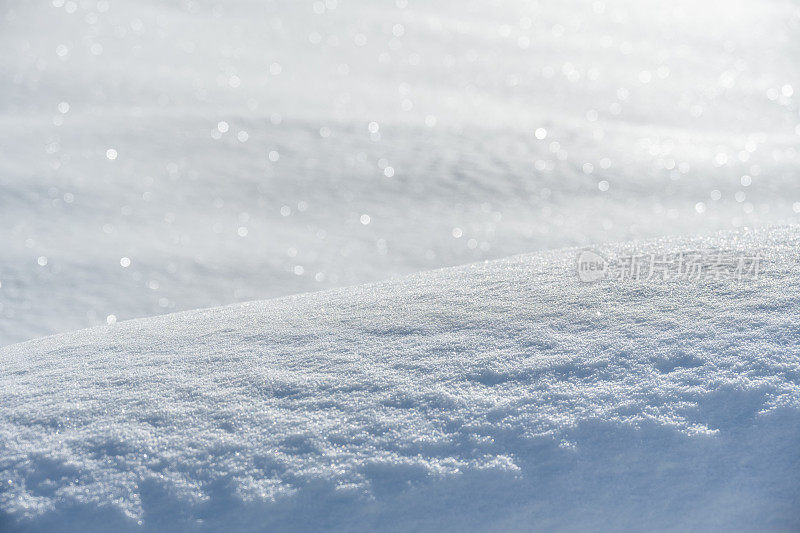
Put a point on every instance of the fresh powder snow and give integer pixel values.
(503, 395)
(399, 265)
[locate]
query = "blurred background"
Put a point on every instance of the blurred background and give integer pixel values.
(158, 156)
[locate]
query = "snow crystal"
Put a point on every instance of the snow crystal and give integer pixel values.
(500, 395)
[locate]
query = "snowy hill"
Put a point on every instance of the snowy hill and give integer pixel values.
(493, 396)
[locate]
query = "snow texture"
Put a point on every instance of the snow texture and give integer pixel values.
(503, 395)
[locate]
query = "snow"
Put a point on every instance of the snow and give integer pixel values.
(502, 395)
(232, 150)
(327, 252)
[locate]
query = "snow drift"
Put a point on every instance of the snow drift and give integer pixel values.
(499, 395)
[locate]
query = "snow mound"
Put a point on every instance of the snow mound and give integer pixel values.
(500, 395)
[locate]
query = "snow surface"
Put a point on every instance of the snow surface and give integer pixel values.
(169, 155)
(671, 103)
(501, 395)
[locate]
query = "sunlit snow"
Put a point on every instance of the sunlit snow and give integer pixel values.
(328, 252)
(242, 150)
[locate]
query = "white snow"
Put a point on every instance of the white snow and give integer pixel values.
(232, 150)
(502, 395)
(317, 159)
